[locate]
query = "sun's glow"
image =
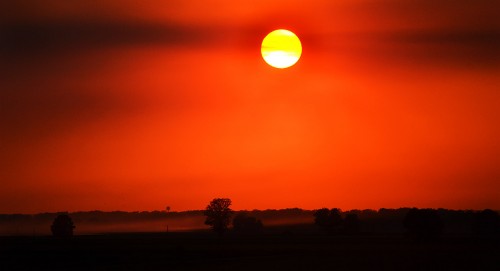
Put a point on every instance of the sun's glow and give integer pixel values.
(281, 48)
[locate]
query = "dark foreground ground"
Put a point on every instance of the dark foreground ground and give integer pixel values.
(272, 251)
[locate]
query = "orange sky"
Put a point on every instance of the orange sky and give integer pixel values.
(126, 105)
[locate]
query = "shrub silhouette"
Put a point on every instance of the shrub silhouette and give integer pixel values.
(62, 226)
(486, 222)
(218, 214)
(423, 224)
(351, 224)
(329, 220)
(242, 223)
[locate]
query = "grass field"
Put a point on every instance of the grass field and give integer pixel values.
(284, 250)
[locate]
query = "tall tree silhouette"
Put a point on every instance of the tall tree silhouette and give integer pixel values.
(423, 224)
(62, 226)
(330, 220)
(218, 214)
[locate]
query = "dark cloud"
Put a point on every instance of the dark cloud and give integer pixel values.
(18, 38)
(37, 58)
(454, 32)
(454, 46)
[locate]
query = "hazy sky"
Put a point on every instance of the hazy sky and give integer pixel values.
(136, 105)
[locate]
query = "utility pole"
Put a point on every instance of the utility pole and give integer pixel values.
(168, 211)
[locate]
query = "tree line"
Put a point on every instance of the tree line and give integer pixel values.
(416, 223)
(421, 224)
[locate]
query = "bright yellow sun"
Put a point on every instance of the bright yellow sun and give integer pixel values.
(281, 48)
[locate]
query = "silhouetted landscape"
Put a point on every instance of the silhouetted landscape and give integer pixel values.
(286, 239)
(184, 135)
(380, 221)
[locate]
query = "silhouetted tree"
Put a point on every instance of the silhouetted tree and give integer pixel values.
(242, 223)
(423, 224)
(351, 223)
(218, 214)
(486, 222)
(62, 226)
(330, 220)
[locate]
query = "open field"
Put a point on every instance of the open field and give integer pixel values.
(279, 250)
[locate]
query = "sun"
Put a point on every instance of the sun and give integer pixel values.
(281, 48)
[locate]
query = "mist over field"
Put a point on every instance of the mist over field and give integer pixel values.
(97, 222)
(381, 222)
